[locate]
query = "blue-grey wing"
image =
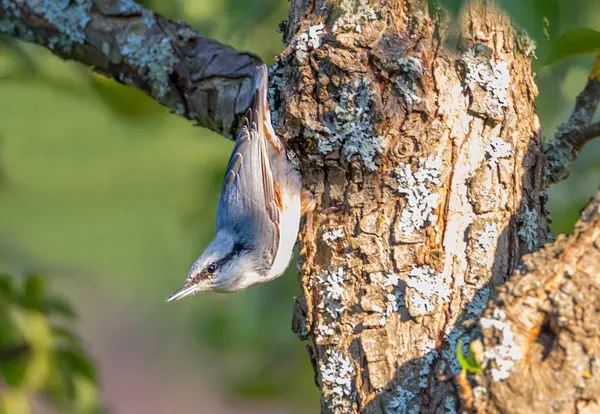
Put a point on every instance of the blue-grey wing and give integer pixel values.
(248, 198)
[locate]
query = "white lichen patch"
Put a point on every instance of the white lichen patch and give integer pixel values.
(428, 349)
(420, 200)
(485, 247)
(407, 81)
(506, 352)
(450, 405)
(391, 279)
(452, 335)
(528, 231)
(355, 13)
(427, 290)
(324, 144)
(478, 299)
(12, 13)
(401, 401)
(69, 17)
(482, 69)
(307, 41)
(352, 127)
(151, 54)
(329, 237)
(393, 299)
(128, 7)
(331, 303)
(486, 239)
(498, 149)
(325, 330)
(337, 374)
(332, 284)
(366, 149)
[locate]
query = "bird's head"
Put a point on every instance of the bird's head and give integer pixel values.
(220, 268)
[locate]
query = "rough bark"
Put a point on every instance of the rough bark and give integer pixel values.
(572, 135)
(196, 77)
(420, 141)
(550, 312)
(417, 134)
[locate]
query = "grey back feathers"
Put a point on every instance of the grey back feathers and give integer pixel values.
(247, 207)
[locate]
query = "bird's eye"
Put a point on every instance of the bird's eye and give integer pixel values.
(212, 268)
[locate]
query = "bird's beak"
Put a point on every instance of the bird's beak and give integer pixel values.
(187, 289)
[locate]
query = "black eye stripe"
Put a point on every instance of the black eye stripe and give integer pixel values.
(237, 249)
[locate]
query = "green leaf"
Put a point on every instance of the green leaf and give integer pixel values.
(10, 334)
(468, 362)
(64, 336)
(35, 328)
(86, 396)
(58, 305)
(573, 43)
(78, 363)
(60, 386)
(34, 291)
(38, 369)
(7, 286)
(13, 369)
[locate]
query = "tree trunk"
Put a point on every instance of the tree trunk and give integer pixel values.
(547, 317)
(416, 131)
(419, 139)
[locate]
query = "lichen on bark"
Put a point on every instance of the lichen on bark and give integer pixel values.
(198, 78)
(430, 232)
(416, 131)
(550, 310)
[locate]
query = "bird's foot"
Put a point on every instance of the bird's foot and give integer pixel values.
(308, 203)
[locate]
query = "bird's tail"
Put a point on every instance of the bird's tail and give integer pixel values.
(260, 103)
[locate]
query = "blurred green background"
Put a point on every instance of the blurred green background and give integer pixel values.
(114, 201)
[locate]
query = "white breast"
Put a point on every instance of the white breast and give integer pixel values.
(288, 233)
(291, 185)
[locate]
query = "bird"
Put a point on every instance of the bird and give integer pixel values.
(259, 211)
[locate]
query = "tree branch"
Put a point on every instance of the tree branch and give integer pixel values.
(544, 325)
(570, 137)
(196, 77)
(578, 137)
